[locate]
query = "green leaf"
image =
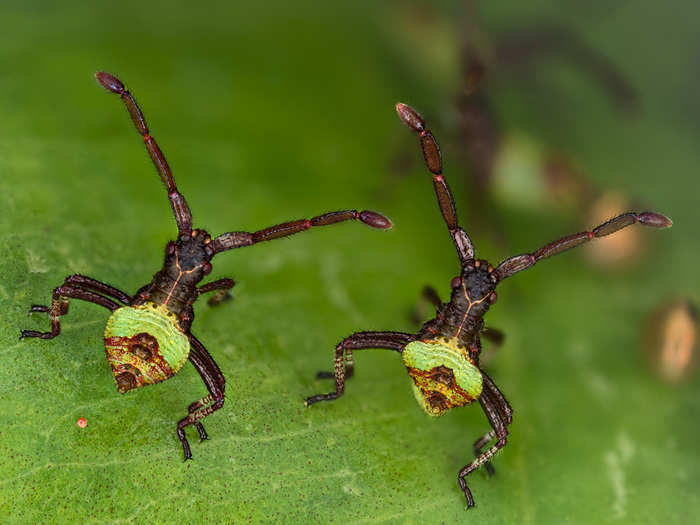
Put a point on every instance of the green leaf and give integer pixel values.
(272, 113)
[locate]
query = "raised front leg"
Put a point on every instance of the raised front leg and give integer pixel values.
(216, 385)
(59, 306)
(344, 363)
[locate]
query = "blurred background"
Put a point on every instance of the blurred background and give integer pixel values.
(552, 117)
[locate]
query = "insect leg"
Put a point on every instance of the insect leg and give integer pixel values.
(493, 334)
(367, 338)
(214, 381)
(88, 283)
(480, 444)
(232, 240)
(344, 364)
(499, 399)
(430, 295)
(222, 288)
(59, 307)
(500, 432)
(505, 411)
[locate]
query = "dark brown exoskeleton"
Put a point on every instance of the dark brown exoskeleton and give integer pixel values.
(443, 358)
(148, 336)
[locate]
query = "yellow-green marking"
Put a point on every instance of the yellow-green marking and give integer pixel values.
(144, 344)
(443, 375)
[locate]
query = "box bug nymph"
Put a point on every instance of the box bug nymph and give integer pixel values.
(442, 359)
(148, 338)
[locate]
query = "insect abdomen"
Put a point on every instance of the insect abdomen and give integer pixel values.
(443, 376)
(144, 344)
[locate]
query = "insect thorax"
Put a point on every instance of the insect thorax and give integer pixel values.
(144, 344)
(443, 375)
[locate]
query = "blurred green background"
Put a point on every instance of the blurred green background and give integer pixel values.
(274, 111)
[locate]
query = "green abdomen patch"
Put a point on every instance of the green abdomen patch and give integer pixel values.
(443, 376)
(144, 345)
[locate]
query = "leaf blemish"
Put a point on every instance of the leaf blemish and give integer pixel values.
(35, 262)
(615, 460)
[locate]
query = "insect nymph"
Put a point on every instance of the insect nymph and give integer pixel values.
(442, 359)
(148, 338)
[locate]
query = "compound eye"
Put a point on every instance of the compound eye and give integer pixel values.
(456, 282)
(493, 297)
(206, 268)
(170, 248)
